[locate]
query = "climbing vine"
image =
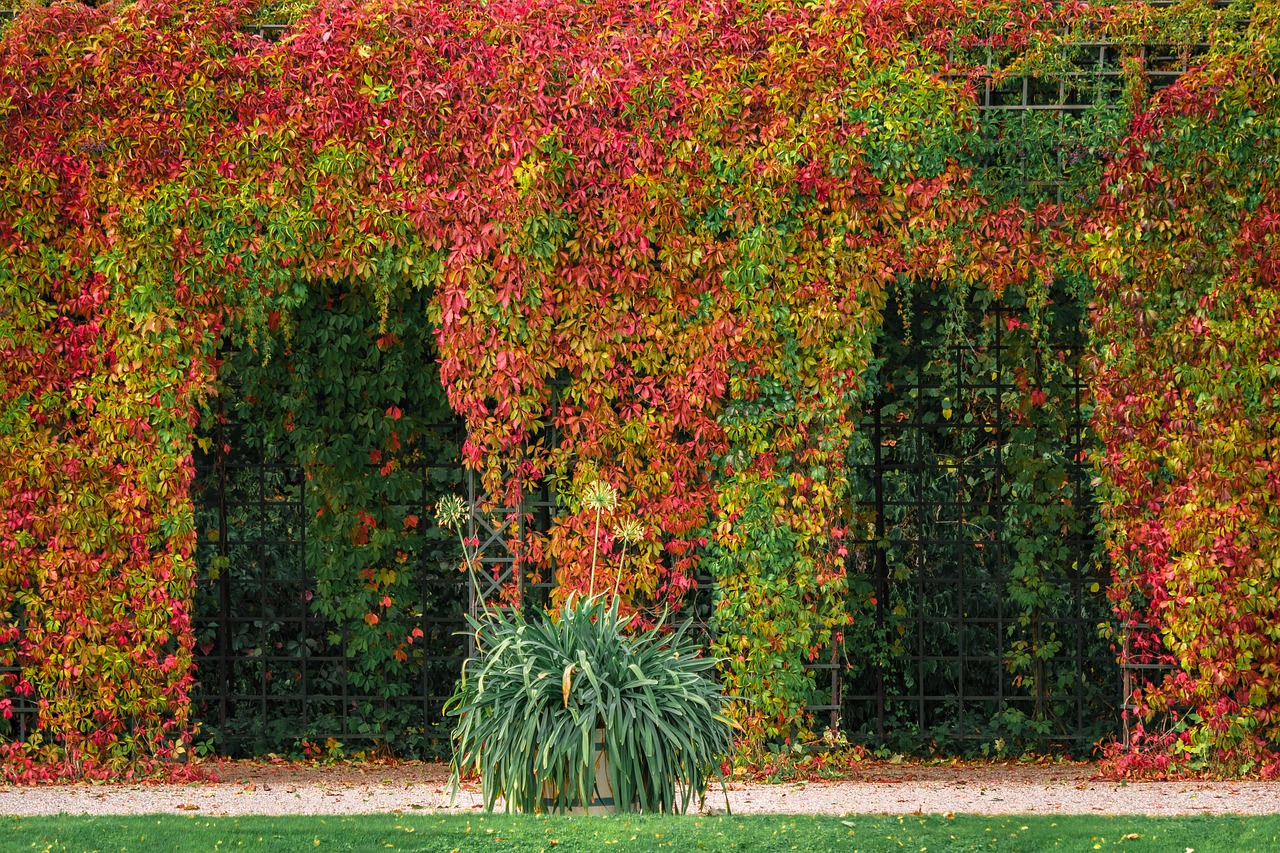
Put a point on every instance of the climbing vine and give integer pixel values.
(1184, 248)
(652, 243)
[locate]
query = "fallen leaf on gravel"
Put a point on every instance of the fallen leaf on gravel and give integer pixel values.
(188, 807)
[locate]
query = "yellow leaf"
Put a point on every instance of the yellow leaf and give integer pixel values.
(565, 683)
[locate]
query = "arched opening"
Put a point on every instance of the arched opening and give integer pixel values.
(327, 600)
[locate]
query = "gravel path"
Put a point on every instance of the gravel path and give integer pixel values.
(882, 789)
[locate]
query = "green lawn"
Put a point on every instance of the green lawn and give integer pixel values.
(444, 833)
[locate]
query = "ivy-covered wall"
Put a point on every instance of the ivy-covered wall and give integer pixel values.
(684, 217)
(1184, 244)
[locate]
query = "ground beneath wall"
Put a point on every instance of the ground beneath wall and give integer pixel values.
(245, 788)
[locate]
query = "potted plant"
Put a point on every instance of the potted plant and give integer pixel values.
(570, 710)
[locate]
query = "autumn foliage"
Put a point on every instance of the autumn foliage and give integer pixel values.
(657, 240)
(1184, 245)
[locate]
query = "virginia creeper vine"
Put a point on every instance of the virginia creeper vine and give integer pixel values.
(655, 240)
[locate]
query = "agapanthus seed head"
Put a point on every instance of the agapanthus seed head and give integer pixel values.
(629, 531)
(451, 512)
(600, 497)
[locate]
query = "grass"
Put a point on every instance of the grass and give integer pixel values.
(477, 832)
